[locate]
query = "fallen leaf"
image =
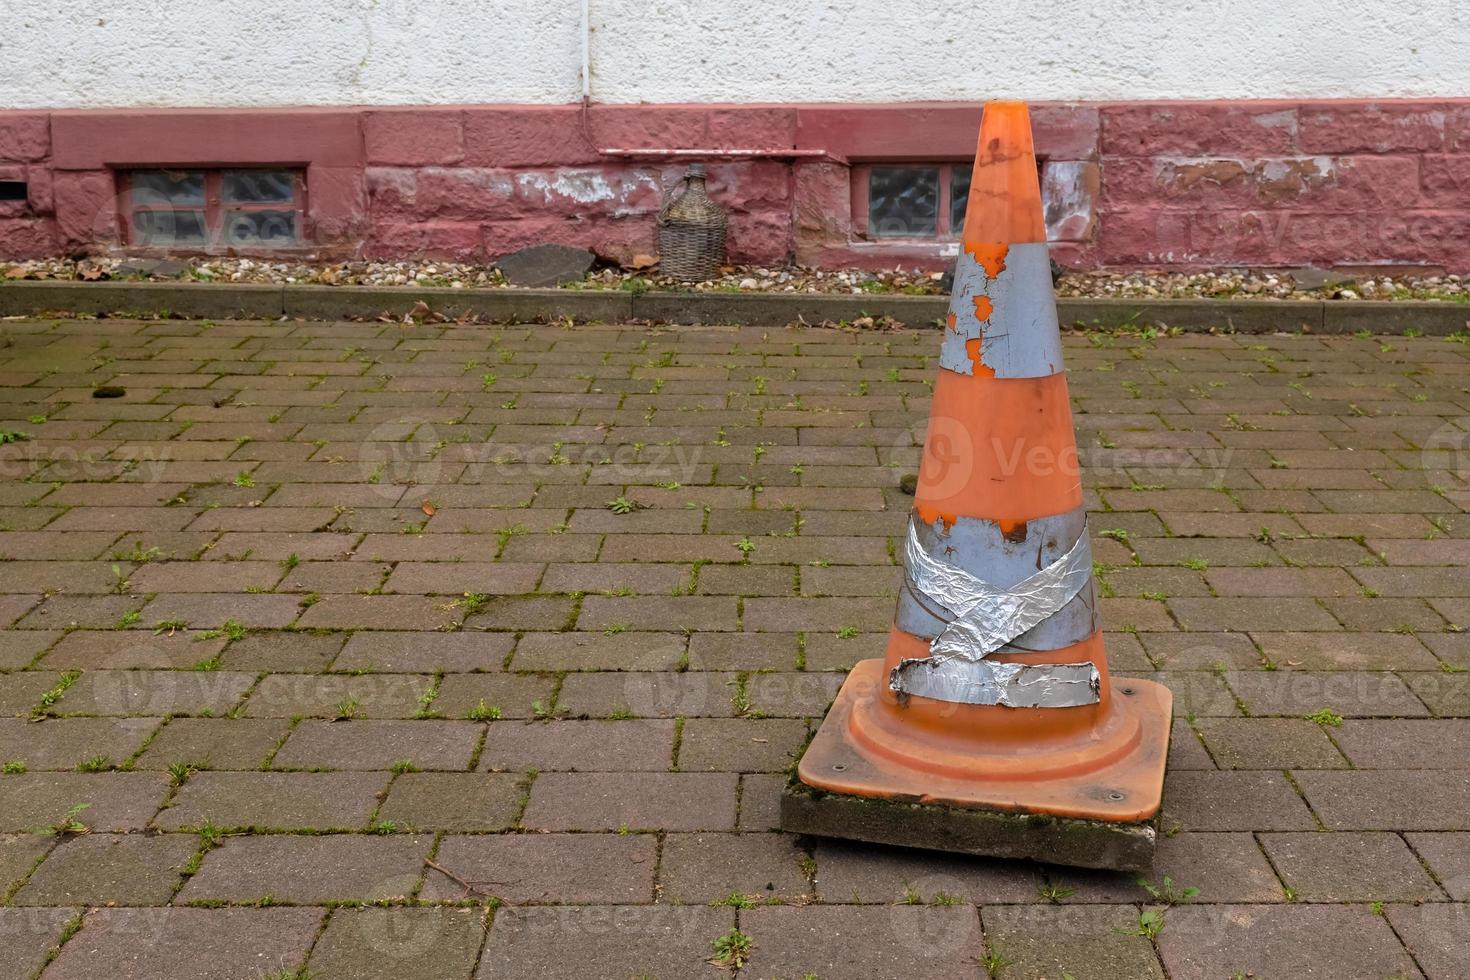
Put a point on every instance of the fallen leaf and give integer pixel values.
(428, 508)
(640, 262)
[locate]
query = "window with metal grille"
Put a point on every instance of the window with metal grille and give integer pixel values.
(208, 210)
(910, 200)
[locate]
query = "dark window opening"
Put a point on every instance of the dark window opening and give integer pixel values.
(911, 200)
(258, 209)
(12, 190)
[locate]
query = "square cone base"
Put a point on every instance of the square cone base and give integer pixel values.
(1081, 820)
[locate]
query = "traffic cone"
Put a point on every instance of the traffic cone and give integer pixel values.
(991, 726)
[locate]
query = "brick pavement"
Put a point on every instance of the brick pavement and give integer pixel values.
(381, 650)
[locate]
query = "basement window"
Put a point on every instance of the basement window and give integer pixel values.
(12, 190)
(911, 200)
(212, 210)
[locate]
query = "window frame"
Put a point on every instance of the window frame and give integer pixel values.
(214, 208)
(861, 175)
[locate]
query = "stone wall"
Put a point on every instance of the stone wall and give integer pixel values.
(1182, 185)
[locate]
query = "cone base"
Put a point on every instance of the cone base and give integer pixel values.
(960, 830)
(1124, 788)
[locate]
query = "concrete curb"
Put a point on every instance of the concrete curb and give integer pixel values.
(242, 301)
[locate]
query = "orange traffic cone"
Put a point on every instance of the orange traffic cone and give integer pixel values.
(991, 726)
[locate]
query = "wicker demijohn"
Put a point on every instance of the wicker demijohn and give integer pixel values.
(691, 231)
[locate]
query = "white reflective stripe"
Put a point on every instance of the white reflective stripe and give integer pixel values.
(987, 618)
(1020, 338)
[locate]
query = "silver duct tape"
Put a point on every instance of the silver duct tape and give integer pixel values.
(1019, 339)
(984, 618)
(1007, 685)
(981, 548)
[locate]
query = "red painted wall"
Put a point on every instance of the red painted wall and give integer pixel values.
(1158, 185)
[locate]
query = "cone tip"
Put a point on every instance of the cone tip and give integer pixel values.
(1005, 191)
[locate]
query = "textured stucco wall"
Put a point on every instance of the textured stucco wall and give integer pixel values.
(383, 52)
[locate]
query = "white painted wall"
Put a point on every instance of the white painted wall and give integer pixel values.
(346, 52)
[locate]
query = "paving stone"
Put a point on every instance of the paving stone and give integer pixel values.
(1383, 614)
(743, 651)
(829, 651)
(335, 695)
(1405, 744)
(1447, 695)
(1349, 867)
(399, 944)
(110, 869)
(608, 941)
(66, 743)
(633, 745)
(1196, 692)
(19, 647)
(647, 694)
(132, 649)
(701, 868)
(1269, 743)
(154, 693)
(873, 874)
(1186, 751)
(276, 800)
(1252, 613)
(18, 855)
(1075, 940)
(214, 743)
(407, 651)
(29, 936)
(1209, 941)
(312, 869)
(581, 869)
(515, 695)
(20, 692)
(610, 801)
(793, 694)
(1344, 651)
(1388, 800)
(1448, 857)
(760, 801)
(902, 942)
(368, 744)
(283, 650)
(600, 651)
(1352, 694)
(209, 944)
(1438, 936)
(1248, 800)
(523, 613)
(378, 612)
(453, 801)
(1224, 867)
(114, 801)
(740, 744)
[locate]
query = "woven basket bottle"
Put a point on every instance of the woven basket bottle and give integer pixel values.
(691, 231)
